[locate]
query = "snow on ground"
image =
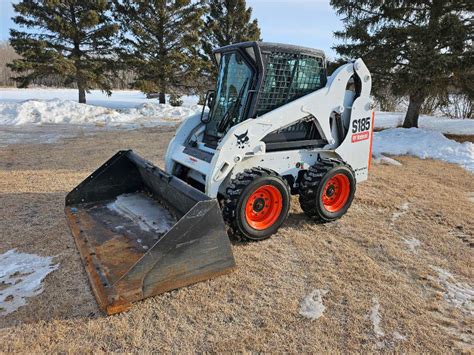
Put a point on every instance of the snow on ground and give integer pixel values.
(312, 305)
(401, 211)
(458, 294)
(21, 275)
(424, 144)
(376, 318)
(147, 213)
(470, 196)
(39, 134)
(382, 159)
(412, 244)
(432, 123)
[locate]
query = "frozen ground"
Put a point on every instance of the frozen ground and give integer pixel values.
(256, 307)
(21, 277)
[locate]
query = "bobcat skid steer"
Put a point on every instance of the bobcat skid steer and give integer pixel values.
(277, 125)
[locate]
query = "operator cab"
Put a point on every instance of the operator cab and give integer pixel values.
(257, 77)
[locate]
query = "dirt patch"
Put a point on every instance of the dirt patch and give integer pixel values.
(379, 293)
(461, 138)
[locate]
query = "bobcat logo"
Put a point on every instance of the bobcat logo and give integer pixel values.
(242, 140)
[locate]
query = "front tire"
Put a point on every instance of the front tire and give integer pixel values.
(327, 190)
(257, 203)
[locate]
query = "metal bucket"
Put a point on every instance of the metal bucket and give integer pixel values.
(141, 232)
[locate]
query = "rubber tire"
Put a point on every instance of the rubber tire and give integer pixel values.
(238, 192)
(312, 189)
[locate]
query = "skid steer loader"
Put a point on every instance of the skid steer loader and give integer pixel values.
(277, 125)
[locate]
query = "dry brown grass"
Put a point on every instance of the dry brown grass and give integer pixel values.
(255, 308)
(461, 138)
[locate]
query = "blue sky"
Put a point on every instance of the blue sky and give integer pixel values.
(308, 23)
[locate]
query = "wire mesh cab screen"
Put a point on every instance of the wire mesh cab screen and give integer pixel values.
(289, 76)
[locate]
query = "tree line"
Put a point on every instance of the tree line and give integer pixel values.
(416, 49)
(420, 49)
(165, 44)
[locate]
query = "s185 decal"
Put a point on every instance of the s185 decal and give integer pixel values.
(360, 129)
(360, 125)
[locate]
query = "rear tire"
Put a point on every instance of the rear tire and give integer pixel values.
(327, 190)
(257, 204)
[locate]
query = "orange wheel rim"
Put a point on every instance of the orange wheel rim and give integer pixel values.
(263, 207)
(336, 192)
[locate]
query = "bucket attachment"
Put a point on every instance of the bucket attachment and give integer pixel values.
(141, 232)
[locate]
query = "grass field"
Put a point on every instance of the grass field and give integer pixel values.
(385, 292)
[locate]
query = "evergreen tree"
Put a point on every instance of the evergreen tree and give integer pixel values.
(69, 39)
(227, 22)
(161, 42)
(419, 48)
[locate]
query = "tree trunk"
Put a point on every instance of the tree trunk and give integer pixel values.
(162, 98)
(413, 112)
(82, 95)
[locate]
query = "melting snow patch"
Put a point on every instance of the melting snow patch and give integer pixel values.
(424, 144)
(412, 244)
(458, 294)
(382, 340)
(312, 305)
(398, 336)
(401, 211)
(20, 277)
(382, 159)
(375, 318)
(146, 212)
(470, 196)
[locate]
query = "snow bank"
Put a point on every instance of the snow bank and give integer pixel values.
(58, 111)
(119, 99)
(425, 145)
(432, 123)
(21, 275)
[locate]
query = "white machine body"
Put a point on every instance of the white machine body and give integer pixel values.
(243, 147)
